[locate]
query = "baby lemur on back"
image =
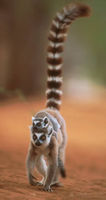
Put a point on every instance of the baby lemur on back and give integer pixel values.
(48, 129)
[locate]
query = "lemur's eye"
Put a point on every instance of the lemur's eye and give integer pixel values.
(43, 137)
(34, 137)
(46, 120)
(38, 124)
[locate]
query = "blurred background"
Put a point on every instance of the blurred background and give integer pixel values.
(24, 26)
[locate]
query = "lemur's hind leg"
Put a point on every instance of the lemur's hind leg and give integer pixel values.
(60, 169)
(42, 169)
(61, 151)
(64, 142)
(61, 156)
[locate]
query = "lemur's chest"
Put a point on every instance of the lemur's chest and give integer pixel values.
(42, 150)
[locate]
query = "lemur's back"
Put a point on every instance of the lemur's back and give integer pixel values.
(48, 130)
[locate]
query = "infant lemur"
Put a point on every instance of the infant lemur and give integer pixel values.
(48, 129)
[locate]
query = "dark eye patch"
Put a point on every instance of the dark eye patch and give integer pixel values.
(38, 124)
(43, 137)
(34, 129)
(34, 137)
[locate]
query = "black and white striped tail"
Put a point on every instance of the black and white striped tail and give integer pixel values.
(57, 36)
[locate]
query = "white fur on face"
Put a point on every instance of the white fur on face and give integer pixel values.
(43, 125)
(35, 122)
(43, 143)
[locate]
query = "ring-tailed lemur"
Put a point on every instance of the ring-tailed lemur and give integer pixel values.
(48, 130)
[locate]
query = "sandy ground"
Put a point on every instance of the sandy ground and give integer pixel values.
(85, 155)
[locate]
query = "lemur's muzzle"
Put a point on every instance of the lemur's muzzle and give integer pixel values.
(38, 143)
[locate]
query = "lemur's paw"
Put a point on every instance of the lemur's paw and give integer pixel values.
(31, 180)
(36, 183)
(39, 183)
(33, 177)
(57, 184)
(47, 189)
(33, 183)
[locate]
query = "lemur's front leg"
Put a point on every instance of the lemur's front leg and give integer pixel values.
(35, 160)
(42, 169)
(52, 164)
(30, 164)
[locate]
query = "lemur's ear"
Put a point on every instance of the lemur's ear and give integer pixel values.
(45, 120)
(50, 132)
(33, 118)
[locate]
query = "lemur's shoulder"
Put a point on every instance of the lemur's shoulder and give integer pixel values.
(53, 146)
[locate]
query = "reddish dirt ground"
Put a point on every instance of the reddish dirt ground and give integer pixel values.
(85, 154)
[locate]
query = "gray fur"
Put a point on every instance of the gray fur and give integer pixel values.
(54, 122)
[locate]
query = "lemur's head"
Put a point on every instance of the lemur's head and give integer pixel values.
(41, 131)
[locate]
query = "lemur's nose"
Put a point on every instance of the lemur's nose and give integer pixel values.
(38, 143)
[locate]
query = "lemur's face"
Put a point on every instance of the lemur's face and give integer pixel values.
(41, 131)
